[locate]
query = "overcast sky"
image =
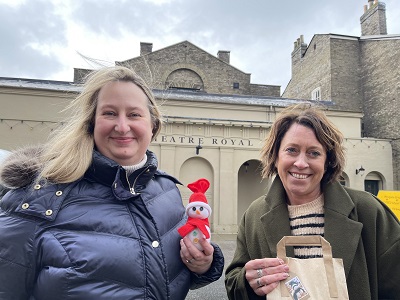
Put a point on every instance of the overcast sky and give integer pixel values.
(46, 39)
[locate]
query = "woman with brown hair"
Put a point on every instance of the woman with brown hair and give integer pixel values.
(304, 150)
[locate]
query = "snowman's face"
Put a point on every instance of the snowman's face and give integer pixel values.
(198, 212)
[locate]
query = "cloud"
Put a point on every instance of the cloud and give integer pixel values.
(29, 32)
(43, 38)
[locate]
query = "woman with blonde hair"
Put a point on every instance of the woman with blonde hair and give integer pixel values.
(90, 215)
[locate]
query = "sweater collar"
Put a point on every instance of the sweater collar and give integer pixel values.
(105, 171)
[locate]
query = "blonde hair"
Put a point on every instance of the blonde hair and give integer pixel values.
(325, 131)
(68, 154)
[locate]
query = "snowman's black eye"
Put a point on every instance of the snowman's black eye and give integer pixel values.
(201, 208)
(194, 208)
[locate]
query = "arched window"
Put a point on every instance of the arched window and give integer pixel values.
(373, 183)
(316, 94)
(184, 79)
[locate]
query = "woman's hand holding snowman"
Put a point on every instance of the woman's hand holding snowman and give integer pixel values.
(197, 261)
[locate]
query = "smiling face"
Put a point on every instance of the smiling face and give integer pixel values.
(301, 164)
(123, 127)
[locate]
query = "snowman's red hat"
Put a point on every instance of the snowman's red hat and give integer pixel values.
(198, 198)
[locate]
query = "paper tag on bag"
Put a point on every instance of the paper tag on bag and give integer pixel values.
(296, 289)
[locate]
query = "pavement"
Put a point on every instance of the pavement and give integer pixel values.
(216, 290)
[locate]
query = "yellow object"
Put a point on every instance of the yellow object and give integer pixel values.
(391, 199)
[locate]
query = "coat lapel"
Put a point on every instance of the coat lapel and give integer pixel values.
(341, 232)
(276, 219)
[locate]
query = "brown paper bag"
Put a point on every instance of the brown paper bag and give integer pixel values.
(313, 278)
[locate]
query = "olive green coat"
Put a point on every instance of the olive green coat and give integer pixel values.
(361, 230)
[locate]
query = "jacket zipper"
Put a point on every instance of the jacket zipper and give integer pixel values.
(132, 187)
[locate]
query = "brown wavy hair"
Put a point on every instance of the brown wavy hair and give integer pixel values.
(325, 131)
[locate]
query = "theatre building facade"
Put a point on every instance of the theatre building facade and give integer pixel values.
(215, 121)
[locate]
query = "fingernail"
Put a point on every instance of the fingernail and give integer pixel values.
(286, 269)
(280, 261)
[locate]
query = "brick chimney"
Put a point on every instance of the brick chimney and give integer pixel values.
(145, 48)
(299, 49)
(373, 21)
(224, 55)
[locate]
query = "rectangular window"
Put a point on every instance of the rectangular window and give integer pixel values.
(236, 85)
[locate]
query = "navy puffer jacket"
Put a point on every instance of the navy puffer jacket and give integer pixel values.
(93, 239)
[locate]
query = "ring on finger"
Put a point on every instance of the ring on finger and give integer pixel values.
(259, 283)
(189, 261)
(259, 273)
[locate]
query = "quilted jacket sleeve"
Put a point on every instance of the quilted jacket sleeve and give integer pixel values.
(213, 274)
(17, 263)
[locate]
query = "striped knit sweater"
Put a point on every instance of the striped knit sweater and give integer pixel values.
(307, 219)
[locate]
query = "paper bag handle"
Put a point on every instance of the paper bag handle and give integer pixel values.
(311, 240)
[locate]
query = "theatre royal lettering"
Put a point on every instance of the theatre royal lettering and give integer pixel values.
(204, 141)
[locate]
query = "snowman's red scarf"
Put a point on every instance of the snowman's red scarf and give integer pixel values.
(192, 224)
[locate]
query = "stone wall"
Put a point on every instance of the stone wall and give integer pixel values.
(346, 90)
(185, 66)
(311, 70)
(265, 90)
(332, 64)
(373, 21)
(381, 77)
(216, 74)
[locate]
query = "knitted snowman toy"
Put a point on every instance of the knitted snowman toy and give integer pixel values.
(198, 211)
